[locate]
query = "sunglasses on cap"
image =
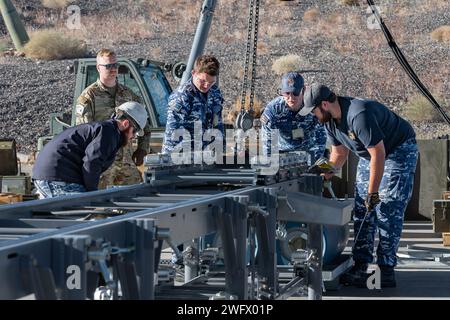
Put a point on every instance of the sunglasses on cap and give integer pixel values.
(110, 66)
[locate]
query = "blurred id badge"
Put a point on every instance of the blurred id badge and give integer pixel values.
(298, 133)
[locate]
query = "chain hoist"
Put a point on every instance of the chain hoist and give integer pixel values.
(244, 119)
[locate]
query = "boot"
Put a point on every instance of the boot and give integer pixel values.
(387, 277)
(356, 275)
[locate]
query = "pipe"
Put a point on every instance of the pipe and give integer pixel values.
(14, 24)
(201, 36)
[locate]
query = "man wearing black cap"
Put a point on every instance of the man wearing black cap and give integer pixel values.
(296, 132)
(388, 154)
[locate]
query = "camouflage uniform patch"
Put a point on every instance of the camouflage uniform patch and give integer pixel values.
(296, 133)
(97, 104)
(186, 106)
(122, 172)
(395, 192)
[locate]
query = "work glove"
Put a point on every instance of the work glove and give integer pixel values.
(372, 200)
(322, 166)
(138, 156)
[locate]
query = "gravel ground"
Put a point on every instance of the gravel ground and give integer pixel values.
(31, 90)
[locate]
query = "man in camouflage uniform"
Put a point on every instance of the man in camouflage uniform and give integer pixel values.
(296, 132)
(199, 101)
(98, 102)
(388, 154)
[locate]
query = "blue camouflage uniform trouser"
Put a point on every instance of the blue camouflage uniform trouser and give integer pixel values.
(51, 189)
(395, 192)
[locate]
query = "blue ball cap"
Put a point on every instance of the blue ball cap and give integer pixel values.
(292, 82)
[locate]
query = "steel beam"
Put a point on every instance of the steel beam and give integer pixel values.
(39, 223)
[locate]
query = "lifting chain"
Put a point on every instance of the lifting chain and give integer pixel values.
(245, 119)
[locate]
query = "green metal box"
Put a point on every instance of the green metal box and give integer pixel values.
(16, 184)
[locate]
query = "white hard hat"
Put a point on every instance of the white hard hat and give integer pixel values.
(137, 113)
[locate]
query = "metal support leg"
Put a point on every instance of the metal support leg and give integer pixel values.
(191, 261)
(314, 275)
(158, 251)
(232, 223)
(265, 228)
(145, 257)
(39, 280)
(240, 215)
(313, 185)
(252, 247)
(69, 265)
(226, 232)
(126, 272)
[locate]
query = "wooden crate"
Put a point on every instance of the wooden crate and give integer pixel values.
(8, 198)
(446, 239)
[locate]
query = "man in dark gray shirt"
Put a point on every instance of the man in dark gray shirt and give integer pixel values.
(73, 161)
(388, 154)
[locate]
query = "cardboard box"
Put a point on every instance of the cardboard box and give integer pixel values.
(446, 239)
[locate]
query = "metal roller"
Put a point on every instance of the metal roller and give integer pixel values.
(335, 239)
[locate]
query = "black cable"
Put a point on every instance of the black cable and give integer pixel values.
(404, 62)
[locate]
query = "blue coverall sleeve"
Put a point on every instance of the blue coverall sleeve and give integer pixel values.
(316, 139)
(178, 110)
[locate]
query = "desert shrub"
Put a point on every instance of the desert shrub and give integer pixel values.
(350, 2)
(288, 63)
(55, 4)
(418, 108)
(54, 45)
(311, 15)
(442, 34)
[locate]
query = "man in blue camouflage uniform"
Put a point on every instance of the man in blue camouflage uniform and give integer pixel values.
(296, 132)
(197, 102)
(388, 154)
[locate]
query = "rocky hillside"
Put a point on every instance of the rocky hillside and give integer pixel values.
(333, 41)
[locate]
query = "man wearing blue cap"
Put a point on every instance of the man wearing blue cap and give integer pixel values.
(386, 146)
(296, 132)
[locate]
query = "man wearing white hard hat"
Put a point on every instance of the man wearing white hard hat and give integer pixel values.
(73, 161)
